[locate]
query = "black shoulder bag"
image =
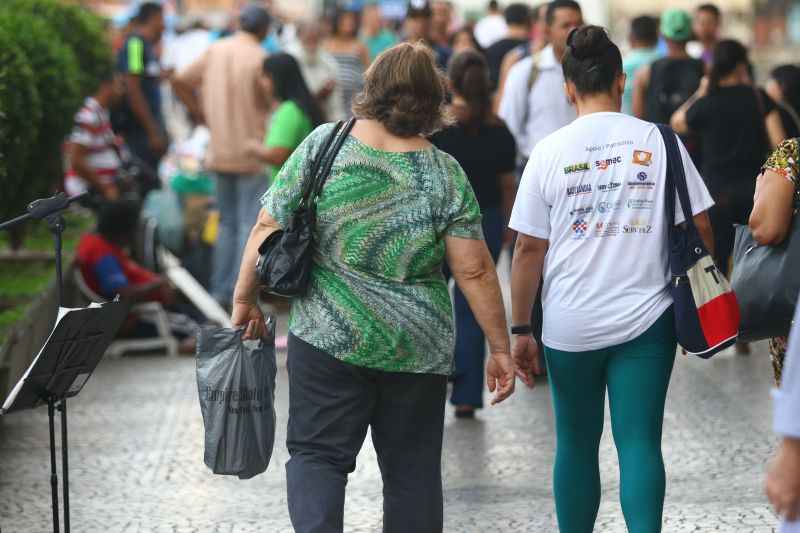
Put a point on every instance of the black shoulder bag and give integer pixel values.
(284, 263)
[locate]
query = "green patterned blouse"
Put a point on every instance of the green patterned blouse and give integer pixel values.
(377, 296)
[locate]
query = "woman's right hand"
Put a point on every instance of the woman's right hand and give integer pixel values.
(249, 316)
(525, 353)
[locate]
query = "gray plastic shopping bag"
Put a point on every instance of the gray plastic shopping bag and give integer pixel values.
(236, 382)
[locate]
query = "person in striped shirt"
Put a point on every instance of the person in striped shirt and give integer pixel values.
(92, 158)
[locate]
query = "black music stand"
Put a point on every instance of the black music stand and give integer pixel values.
(68, 358)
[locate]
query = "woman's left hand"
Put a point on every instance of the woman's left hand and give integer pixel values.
(500, 376)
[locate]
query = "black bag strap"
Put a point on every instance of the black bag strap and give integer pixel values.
(676, 179)
(309, 185)
(341, 137)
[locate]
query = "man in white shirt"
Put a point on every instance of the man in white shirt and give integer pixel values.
(319, 69)
(533, 103)
(492, 27)
(783, 479)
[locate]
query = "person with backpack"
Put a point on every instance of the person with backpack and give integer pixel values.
(533, 104)
(591, 213)
(660, 88)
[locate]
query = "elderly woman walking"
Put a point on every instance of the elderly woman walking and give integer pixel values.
(371, 341)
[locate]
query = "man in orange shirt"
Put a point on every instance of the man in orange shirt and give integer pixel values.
(221, 89)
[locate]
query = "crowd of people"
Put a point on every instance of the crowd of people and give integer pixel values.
(466, 142)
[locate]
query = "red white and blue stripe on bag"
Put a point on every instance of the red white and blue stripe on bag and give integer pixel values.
(713, 322)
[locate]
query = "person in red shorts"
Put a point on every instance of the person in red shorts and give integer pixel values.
(108, 270)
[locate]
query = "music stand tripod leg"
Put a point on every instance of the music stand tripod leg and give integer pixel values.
(64, 462)
(51, 407)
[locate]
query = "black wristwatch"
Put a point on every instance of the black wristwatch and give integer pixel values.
(525, 329)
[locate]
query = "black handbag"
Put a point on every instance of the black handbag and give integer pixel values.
(284, 262)
(767, 282)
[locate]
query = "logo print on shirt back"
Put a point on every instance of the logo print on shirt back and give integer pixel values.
(605, 163)
(579, 228)
(642, 157)
(583, 188)
(641, 176)
(576, 167)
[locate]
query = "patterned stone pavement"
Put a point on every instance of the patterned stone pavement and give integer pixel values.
(136, 464)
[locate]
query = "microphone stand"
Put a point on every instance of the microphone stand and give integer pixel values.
(51, 210)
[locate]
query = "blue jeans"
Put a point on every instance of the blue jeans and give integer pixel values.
(238, 203)
(470, 341)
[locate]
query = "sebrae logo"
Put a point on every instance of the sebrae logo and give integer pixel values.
(643, 158)
(576, 167)
(576, 190)
(603, 164)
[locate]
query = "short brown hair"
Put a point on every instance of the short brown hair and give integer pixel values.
(404, 91)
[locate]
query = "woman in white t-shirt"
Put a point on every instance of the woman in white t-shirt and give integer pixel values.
(591, 216)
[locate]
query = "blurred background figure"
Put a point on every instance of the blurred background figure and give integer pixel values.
(139, 119)
(532, 102)
(93, 161)
(706, 25)
(538, 39)
(492, 27)
(320, 70)
(660, 88)
(643, 38)
(192, 39)
(738, 125)
(476, 133)
(295, 116)
(417, 27)
(351, 56)
(375, 35)
(441, 22)
(223, 91)
(518, 21)
(463, 39)
(783, 87)
(107, 268)
(783, 477)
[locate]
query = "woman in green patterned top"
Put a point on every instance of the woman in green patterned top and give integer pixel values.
(371, 341)
(777, 200)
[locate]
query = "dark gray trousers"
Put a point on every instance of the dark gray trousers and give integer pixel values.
(331, 405)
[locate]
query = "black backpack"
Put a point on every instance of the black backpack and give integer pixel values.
(672, 82)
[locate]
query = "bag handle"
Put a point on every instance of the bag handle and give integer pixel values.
(676, 179)
(309, 185)
(342, 135)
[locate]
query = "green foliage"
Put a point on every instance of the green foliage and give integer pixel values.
(55, 70)
(20, 114)
(76, 27)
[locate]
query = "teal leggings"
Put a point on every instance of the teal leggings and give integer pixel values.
(637, 376)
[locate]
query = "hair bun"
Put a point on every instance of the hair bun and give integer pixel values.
(588, 42)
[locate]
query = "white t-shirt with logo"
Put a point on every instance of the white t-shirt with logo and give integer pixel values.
(595, 189)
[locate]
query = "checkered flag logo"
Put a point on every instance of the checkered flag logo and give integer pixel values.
(579, 227)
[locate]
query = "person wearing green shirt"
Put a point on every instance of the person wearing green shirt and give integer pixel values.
(371, 339)
(295, 117)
